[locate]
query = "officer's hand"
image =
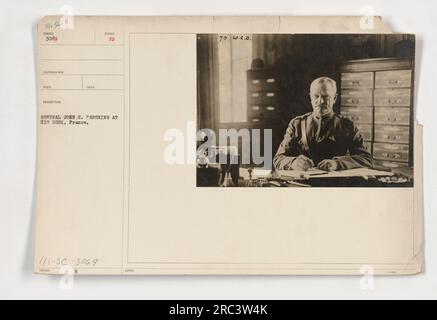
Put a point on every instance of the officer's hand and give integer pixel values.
(302, 163)
(328, 165)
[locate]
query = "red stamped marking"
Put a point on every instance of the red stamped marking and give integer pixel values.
(51, 38)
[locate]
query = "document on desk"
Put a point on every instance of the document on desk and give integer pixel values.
(358, 172)
(128, 107)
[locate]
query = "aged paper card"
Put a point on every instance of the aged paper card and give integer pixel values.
(227, 145)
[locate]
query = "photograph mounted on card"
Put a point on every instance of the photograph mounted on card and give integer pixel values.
(293, 104)
(157, 138)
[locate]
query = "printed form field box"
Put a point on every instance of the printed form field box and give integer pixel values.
(57, 82)
(109, 37)
(103, 82)
(87, 52)
(82, 67)
(54, 35)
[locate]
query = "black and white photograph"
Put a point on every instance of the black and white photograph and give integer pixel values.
(148, 148)
(305, 110)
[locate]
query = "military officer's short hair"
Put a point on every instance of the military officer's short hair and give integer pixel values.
(323, 80)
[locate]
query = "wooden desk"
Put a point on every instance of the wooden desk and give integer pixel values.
(324, 182)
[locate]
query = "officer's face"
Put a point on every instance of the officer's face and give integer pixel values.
(323, 98)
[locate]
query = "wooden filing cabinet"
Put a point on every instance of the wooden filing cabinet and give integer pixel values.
(262, 96)
(377, 94)
(267, 105)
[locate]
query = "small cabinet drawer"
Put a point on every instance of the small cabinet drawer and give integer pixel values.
(256, 97)
(270, 111)
(386, 133)
(267, 84)
(256, 85)
(264, 97)
(356, 98)
(388, 151)
(365, 131)
(389, 164)
(359, 80)
(255, 110)
(269, 97)
(270, 84)
(263, 111)
(358, 114)
(392, 116)
(392, 97)
(393, 79)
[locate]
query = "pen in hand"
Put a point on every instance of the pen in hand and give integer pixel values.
(302, 163)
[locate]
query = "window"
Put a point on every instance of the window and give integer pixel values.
(234, 59)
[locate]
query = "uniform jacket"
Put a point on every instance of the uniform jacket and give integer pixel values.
(333, 137)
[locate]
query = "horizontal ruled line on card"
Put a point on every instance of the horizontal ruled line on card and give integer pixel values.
(77, 82)
(82, 89)
(78, 74)
(83, 67)
(81, 59)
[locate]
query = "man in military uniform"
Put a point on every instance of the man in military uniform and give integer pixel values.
(322, 138)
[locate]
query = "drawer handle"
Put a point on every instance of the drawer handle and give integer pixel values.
(355, 82)
(354, 101)
(394, 100)
(393, 138)
(391, 119)
(391, 155)
(270, 80)
(393, 81)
